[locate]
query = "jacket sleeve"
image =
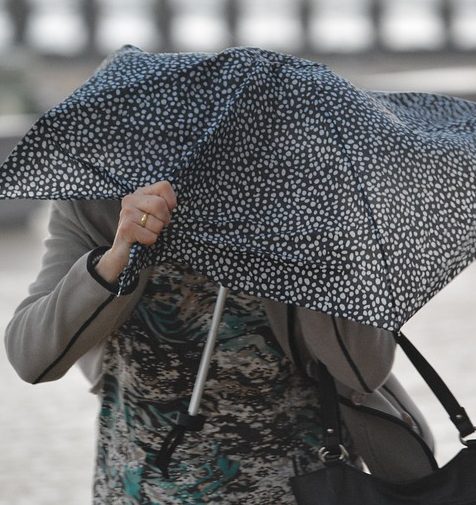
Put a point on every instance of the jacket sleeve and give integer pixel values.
(359, 356)
(69, 307)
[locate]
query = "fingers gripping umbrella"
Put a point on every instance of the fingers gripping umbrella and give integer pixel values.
(292, 183)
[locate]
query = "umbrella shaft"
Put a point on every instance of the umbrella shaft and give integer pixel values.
(207, 353)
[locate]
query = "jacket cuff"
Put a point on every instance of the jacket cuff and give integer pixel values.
(93, 258)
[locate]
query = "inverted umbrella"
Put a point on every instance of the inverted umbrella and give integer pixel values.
(292, 183)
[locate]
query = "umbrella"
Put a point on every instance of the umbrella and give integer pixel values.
(292, 183)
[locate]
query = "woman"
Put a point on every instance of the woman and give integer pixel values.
(140, 351)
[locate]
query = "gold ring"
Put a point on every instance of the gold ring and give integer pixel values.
(143, 219)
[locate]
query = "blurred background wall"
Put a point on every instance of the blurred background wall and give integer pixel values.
(49, 47)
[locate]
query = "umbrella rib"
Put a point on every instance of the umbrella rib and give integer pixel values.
(200, 142)
(368, 210)
(100, 171)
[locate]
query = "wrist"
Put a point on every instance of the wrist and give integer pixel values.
(108, 267)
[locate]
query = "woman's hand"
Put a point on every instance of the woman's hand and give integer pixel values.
(158, 200)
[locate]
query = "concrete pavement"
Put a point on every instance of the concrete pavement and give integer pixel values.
(46, 430)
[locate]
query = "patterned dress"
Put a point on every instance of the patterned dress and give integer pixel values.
(262, 416)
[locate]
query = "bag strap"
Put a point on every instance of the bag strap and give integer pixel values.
(333, 448)
(457, 413)
(329, 398)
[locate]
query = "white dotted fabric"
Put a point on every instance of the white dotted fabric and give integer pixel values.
(292, 183)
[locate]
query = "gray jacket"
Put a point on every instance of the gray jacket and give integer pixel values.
(70, 312)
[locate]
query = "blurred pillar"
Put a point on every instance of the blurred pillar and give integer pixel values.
(231, 18)
(376, 10)
(90, 12)
(163, 16)
(305, 13)
(446, 9)
(19, 11)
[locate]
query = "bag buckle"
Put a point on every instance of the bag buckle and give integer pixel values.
(465, 442)
(326, 456)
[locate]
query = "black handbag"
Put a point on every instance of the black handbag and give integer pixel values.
(339, 483)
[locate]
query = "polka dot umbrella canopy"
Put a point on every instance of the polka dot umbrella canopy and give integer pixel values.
(292, 183)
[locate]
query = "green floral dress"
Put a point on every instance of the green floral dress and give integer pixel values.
(262, 416)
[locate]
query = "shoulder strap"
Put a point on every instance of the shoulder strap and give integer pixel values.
(329, 401)
(457, 413)
(328, 398)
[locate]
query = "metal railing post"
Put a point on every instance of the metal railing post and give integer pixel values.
(446, 13)
(90, 13)
(376, 10)
(231, 13)
(305, 12)
(19, 11)
(163, 16)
